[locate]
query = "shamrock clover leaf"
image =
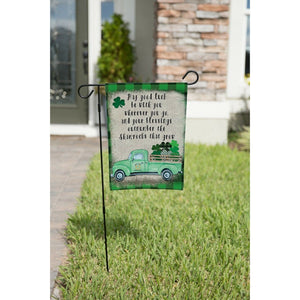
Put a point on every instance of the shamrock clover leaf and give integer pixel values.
(118, 102)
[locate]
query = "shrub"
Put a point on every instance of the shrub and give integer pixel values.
(117, 53)
(244, 139)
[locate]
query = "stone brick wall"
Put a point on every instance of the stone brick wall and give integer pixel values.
(193, 34)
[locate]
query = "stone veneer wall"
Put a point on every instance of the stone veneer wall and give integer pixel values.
(193, 34)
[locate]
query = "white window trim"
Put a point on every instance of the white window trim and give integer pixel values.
(94, 46)
(236, 86)
(94, 38)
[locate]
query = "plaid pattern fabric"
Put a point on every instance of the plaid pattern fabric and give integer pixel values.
(174, 86)
(112, 88)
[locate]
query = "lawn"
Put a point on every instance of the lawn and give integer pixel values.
(163, 244)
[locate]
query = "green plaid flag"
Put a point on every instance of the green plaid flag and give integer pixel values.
(146, 133)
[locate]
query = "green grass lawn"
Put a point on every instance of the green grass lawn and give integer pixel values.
(162, 244)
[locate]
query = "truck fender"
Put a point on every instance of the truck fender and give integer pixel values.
(123, 168)
(173, 169)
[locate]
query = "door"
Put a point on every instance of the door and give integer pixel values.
(69, 61)
(138, 163)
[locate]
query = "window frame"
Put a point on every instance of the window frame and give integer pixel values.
(237, 88)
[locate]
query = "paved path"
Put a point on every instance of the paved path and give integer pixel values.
(70, 158)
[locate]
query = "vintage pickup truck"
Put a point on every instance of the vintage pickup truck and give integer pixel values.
(139, 164)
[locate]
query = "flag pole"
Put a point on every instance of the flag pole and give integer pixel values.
(101, 158)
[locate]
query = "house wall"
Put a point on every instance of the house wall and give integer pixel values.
(193, 35)
(174, 36)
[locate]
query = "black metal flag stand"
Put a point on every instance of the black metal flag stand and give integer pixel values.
(101, 149)
(101, 157)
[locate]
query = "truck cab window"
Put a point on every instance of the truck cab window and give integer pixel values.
(138, 156)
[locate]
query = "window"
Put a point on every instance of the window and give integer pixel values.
(139, 156)
(62, 51)
(107, 10)
(247, 54)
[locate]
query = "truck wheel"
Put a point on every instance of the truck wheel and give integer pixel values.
(166, 174)
(119, 175)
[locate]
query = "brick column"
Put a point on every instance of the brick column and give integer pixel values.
(193, 34)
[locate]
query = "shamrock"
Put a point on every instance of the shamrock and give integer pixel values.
(156, 149)
(174, 147)
(118, 102)
(165, 146)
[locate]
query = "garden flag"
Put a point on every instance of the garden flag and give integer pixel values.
(146, 134)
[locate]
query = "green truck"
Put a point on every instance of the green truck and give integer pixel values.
(139, 164)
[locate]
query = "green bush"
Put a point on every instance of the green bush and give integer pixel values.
(244, 139)
(117, 53)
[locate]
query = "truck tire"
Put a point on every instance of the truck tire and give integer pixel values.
(166, 174)
(119, 175)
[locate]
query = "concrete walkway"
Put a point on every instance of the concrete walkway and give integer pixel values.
(70, 158)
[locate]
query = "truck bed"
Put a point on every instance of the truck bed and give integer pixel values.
(165, 158)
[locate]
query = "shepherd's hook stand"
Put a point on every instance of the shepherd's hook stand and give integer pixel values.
(101, 156)
(97, 86)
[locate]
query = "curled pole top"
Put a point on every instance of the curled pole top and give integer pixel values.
(102, 84)
(191, 71)
(91, 92)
